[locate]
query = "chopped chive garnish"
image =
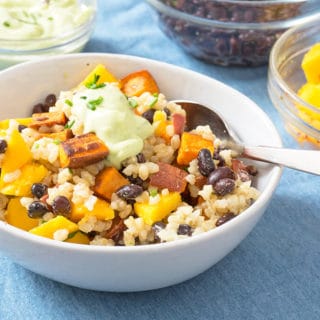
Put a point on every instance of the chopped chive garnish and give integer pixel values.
(56, 141)
(83, 97)
(154, 101)
(93, 104)
(153, 192)
(6, 24)
(68, 102)
(133, 103)
(69, 124)
(94, 83)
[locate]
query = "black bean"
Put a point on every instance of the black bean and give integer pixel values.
(39, 190)
(61, 205)
(220, 173)
(21, 127)
(129, 192)
(3, 145)
(205, 162)
(141, 158)
(157, 227)
(184, 229)
(50, 100)
(37, 209)
(167, 112)
(224, 186)
(225, 218)
(148, 115)
(38, 108)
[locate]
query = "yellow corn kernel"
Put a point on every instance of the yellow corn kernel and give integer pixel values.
(48, 228)
(17, 215)
(152, 213)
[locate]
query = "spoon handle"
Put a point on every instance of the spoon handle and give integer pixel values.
(303, 160)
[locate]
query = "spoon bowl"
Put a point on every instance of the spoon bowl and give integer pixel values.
(199, 114)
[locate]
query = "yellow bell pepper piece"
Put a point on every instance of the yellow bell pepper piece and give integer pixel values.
(17, 216)
(48, 228)
(152, 213)
(102, 72)
(4, 124)
(311, 64)
(17, 153)
(30, 174)
(101, 211)
(78, 237)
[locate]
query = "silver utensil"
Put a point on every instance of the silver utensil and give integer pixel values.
(302, 160)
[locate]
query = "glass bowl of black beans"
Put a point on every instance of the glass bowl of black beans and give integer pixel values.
(231, 32)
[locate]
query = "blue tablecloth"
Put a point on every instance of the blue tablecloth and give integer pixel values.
(273, 274)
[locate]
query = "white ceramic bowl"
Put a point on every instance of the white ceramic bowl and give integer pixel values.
(149, 266)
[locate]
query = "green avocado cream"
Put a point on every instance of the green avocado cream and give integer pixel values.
(41, 19)
(106, 111)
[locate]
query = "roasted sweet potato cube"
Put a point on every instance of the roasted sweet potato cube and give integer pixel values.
(82, 151)
(47, 119)
(136, 83)
(108, 181)
(169, 177)
(59, 136)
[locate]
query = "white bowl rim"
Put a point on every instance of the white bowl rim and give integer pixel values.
(264, 197)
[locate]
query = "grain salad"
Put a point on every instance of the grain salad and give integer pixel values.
(111, 163)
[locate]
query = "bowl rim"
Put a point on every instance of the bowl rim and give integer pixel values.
(59, 40)
(264, 197)
(275, 74)
(263, 26)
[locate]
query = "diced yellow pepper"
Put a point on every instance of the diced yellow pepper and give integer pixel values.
(161, 123)
(30, 173)
(102, 72)
(17, 153)
(48, 228)
(101, 211)
(78, 237)
(311, 64)
(4, 124)
(152, 213)
(17, 215)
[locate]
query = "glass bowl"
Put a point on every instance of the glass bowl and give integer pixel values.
(230, 32)
(31, 31)
(286, 77)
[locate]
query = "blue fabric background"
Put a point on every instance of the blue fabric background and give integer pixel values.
(273, 274)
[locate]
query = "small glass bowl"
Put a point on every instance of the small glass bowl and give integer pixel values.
(285, 78)
(230, 32)
(14, 51)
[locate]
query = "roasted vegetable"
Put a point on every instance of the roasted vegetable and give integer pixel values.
(136, 83)
(161, 123)
(17, 215)
(58, 136)
(98, 76)
(48, 119)
(101, 211)
(82, 151)
(108, 181)
(190, 146)
(47, 229)
(152, 213)
(169, 177)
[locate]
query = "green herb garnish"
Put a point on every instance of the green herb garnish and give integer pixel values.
(154, 101)
(7, 24)
(68, 102)
(56, 141)
(94, 83)
(93, 104)
(69, 124)
(153, 192)
(132, 103)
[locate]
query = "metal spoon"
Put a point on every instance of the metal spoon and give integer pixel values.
(303, 160)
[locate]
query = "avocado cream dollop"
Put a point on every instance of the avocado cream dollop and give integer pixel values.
(42, 19)
(107, 112)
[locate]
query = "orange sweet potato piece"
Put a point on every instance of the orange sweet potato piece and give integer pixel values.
(47, 119)
(169, 177)
(190, 146)
(108, 181)
(82, 151)
(59, 136)
(136, 83)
